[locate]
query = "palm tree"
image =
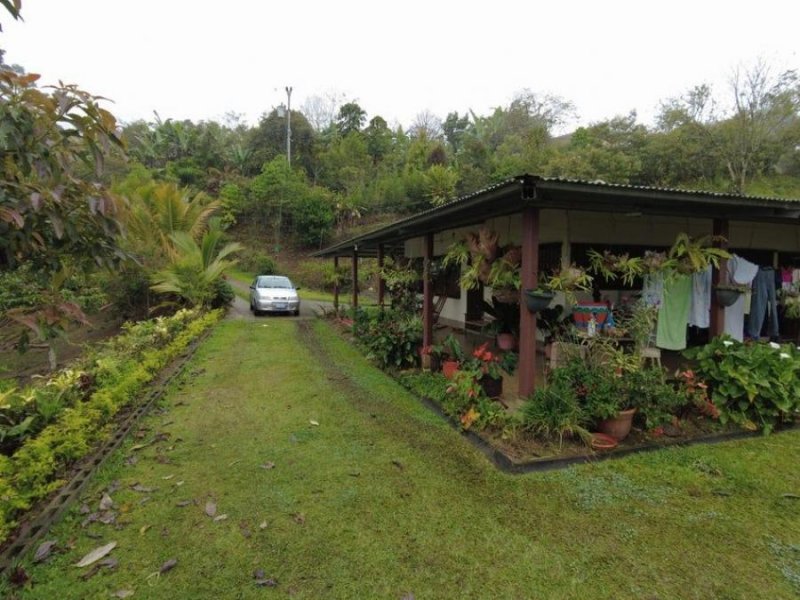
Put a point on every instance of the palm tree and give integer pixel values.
(195, 268)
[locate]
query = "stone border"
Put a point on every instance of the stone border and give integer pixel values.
(35, 527)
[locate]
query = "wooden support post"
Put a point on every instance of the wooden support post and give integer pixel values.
(355, 277)
(427, 293)
(381, 280)
(336, 284)
(527, 320)
(719, 276)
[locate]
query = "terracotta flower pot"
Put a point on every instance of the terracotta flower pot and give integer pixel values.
(618, 427)
(449, 368)
(506, 341)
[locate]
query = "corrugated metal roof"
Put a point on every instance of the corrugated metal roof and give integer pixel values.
(478, 203)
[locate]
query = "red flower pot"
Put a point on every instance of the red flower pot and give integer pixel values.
(449, 368)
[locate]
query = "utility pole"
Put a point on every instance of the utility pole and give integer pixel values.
(288, 161)
(289, 125)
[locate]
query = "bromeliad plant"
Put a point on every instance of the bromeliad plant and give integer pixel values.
(751, 384)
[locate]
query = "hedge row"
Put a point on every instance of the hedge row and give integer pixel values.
(37, 467)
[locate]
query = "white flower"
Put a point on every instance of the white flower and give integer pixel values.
(774, 346)
(784, 355)
(727, 343)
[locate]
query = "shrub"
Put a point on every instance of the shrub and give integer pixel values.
(393, 340)
(223, 294)
(554, 411)
(753, 385)
(120, 372)
(258, 263)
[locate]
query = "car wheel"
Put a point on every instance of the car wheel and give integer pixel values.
(297, 313)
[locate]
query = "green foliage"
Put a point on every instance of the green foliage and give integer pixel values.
(258, 263)
(71, 413)
(313, 217)
(321, 275)
(753, 385)
(392, 339)
(195, 268)
(554, 411)
(48, 209)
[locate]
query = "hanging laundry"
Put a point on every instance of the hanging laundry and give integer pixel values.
(653, 289)
(674, 313)
(764, 301)
(786, 278)
(743, 272)
(700, 311)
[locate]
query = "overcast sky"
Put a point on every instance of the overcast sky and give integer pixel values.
(199, 59)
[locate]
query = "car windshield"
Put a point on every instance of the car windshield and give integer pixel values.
(274, 282)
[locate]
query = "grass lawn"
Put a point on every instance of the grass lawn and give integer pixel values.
(382, 499)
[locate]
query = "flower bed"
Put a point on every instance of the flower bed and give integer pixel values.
(81, 403)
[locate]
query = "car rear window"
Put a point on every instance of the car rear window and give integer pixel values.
(274, 282)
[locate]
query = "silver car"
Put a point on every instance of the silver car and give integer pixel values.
(274, 293)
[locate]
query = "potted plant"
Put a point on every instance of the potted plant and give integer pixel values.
(728, 293)
(452, 356)
(485, 368)
(568, 279)
(506, 322)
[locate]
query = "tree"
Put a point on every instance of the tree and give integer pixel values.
(379, 139)
(195, 268)
(47, 210)
(454, 128)
(427, 125)
(751, 134)
(268, 140)
(321, 110)
(351, 118)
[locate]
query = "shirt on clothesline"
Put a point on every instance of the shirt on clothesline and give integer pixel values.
(742, 272)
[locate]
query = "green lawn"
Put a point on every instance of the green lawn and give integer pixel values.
(382, 499)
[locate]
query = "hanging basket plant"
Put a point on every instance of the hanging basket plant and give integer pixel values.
(728, 294)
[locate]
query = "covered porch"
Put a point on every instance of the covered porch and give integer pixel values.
(558, 216)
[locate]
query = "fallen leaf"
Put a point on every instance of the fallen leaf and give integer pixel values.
(122, 594)
(43, 551)
(263, 525)
(179, 483)
(183, 503)
(143, 529)
(299, 518)
(109, 563)
(106, 502)
(140, 488)
(169, 565)
(115, 485)
(108, 517)
(167, 477)
(211, 508)
(268, 465)
(96, 554)
(266, 582)
(90, 519)
(136, 447)
(314, 423)
(220, 518)
(790, 496)
(84, 509)
(144, 500)
(259, 574)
